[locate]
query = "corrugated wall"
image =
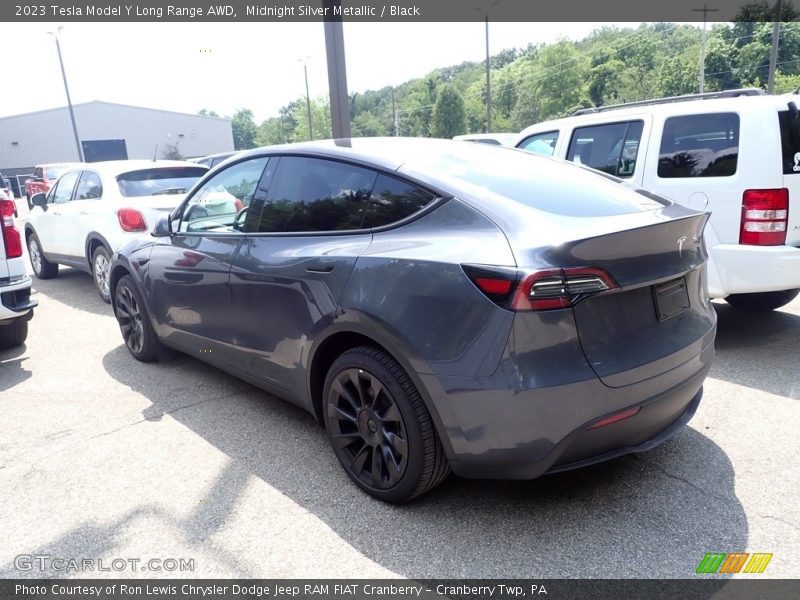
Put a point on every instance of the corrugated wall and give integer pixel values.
(46, 136)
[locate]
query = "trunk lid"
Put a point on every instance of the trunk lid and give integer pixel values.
(659, 317)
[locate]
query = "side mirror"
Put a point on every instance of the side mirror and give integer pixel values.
(163, 227)
(39, 200)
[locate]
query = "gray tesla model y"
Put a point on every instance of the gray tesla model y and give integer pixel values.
(438, 306)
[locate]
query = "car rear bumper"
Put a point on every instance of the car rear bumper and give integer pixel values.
(738, 269)
(526, 433)
(15, 298)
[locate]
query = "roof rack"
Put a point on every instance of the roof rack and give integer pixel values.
(687, 97)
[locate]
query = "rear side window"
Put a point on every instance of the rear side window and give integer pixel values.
(699, 146)
(611, 148)
(89, 186)
(790, 142)
(157, 181)
(311, 194)
(393, 200)
(540, 143)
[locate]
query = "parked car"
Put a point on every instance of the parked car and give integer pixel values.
(16, 305)
(212, 160)
(437, 305)
(44, 176)
(494, 139)
(733, 153)
(92, 211)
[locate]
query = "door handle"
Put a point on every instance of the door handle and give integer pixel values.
(57, 214)
(320, 269)
(83, 212)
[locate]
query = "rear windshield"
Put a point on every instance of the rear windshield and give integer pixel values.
(157, 181)
(790, 142)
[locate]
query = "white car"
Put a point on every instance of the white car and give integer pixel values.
(90, 213)
(735, 154)
(16, 305)
(495, 139)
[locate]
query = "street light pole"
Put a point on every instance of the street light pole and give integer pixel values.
(705, 10)
(488, 82)
(773, 57)
(69, 100)
(308, 104)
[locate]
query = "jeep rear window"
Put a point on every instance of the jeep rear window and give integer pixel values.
(790, 142)
(157, 181)
(699, 146)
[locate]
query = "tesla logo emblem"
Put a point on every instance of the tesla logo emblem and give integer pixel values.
(796, 166)
(681, 241)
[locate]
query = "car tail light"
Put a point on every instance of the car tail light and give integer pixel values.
(12, 240)
(549, 289)
(765, 214)
(131, 219)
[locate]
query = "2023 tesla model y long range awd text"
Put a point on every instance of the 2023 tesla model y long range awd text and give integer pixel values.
(437, 305)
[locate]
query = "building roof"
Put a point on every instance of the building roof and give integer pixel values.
(114, 104)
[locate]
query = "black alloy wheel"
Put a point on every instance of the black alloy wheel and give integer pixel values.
(380, 428)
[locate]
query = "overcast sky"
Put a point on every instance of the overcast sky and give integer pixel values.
(227, 66)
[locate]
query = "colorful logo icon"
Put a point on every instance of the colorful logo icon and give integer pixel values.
(720, 562)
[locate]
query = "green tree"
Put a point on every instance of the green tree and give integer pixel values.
(449, 117)
(207, 113)
(171, 152)
(244, 129)
(366, 124)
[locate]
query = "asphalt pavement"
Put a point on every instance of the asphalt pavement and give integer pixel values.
(105, 458)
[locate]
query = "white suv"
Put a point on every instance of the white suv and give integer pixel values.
(16, 305)
(735, 154)
(90, 213)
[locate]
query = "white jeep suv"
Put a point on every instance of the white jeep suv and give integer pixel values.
(16, 305)
(735, 154)
(91, 212)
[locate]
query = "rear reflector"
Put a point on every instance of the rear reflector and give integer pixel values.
(624, 414)
(131, 219)
(765, 214)
(493, 286)
(12, 240)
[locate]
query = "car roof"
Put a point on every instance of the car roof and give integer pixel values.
(685, 107)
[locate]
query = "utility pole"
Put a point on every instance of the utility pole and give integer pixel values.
(773, 58)
(308, 99)
(488, 82)
(69, 100)
(337, 72)
(394, 116)
(705, 10)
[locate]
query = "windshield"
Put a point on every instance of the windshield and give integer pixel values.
(158, 181)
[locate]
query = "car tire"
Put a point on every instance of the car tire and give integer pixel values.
(13, 334)
(134, 322)
(380, 428)
(763, 301)
(42, 268)
(101, 262)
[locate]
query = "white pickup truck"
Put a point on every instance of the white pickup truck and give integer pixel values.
(16, 305)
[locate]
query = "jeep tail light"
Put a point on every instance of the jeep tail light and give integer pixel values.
(12, 240)
(131, 219)
(549, 289)
(765, 214)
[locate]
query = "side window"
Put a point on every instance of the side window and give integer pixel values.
(89, 186)
(699, 146)
(392, 200)
(611, 148)
(790, 142)
(222, 203)
(312, 194)
(540, 143)
(64, 187)
(37, 173)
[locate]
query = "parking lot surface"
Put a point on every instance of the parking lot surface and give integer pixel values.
(102, 457)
